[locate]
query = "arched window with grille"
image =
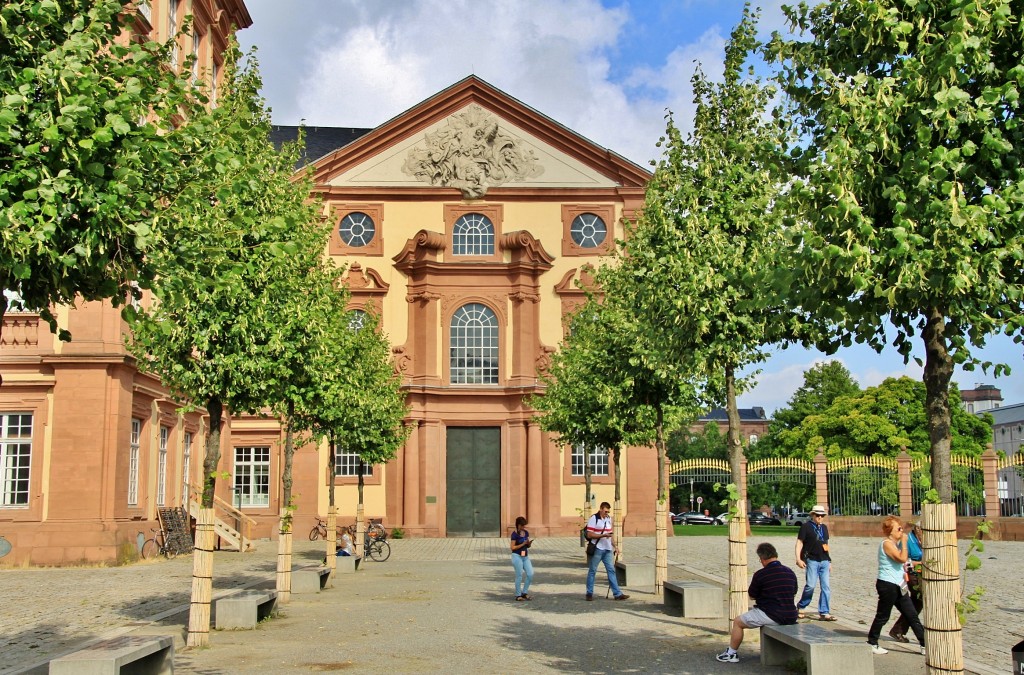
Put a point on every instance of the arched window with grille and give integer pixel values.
(473, 234)
(474, 345)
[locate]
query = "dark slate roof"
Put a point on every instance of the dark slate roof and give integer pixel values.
(755, 414)
(320, 141)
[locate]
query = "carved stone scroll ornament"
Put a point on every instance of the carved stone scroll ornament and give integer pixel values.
(471, 153)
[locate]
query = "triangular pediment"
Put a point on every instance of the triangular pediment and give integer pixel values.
(474, 138)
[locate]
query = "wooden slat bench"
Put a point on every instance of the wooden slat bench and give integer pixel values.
(695, 599)
(243, 610)
(824, 651)
(150, 654)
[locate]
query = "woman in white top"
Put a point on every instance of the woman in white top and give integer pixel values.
(892, 585)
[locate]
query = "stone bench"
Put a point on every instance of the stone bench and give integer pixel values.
(243, 610)
(134, 653)
(639, 574)
(347, 564)
(310, 579)
(695, 599)
(824, 651)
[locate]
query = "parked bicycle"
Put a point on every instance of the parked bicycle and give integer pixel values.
(375, 546)
(319, 530)
(157, 545)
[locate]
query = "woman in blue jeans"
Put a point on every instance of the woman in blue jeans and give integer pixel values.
(892, 585)
(521, 559)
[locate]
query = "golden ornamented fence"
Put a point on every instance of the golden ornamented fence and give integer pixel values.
(875, 485)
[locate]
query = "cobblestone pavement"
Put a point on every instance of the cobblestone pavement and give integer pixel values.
(49, 612)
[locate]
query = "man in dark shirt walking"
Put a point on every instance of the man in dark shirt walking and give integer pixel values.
(773, 589)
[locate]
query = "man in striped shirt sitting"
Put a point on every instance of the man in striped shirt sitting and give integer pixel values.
(773, 589)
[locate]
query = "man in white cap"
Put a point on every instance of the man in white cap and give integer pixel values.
(812, 555)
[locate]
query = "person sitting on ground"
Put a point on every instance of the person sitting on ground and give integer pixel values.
(773, 589)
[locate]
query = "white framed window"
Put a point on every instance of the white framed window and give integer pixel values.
(15, 458)
(172, 30)
(753, 439)
(196, 38)
(357, 229)
(161, 467)
(133, 462)
(473, 234)
(347, 464)
(145, 10)
(186, 465)
(213, 84)
(252, 476)
(474, 345)
(598, 460)
(356, 319)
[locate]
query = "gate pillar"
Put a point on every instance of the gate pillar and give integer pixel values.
(821, 479)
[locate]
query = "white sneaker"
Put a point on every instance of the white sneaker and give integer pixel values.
(726, 657)
(878, 651)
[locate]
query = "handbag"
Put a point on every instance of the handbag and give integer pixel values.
(591, 547)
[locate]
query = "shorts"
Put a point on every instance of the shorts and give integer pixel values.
(755, 618)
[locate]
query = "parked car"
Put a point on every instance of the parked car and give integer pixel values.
(677, 518)
(722, 518)
(758, 518)
(693, 518)
(798, 518)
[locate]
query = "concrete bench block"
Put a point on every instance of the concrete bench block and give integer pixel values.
(824, 651)
(243, 610)
(640, 574)
(310, 579)
(347, 564)
(149, 654)
(695, 599)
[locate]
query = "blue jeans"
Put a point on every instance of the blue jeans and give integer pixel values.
(608, 557)
(524, 571)
(817, 571)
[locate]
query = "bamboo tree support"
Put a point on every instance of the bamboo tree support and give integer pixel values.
(332, 544)
(940, 575)
(738, 562)
(617, 530)
(660, 546)
(202, 581)
(284, 559)
(360, 530)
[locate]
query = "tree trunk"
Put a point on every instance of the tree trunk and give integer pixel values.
(202, 555)
(617, 515)
(660, 511)
(737, 525)
(284, 540)
(332, 512)
(202, 581)
(938, 370)
(360, 516)
(940, 576)
(212, 458)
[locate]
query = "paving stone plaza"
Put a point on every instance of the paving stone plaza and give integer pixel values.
(446, 605)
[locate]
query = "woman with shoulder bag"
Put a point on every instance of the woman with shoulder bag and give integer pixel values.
(913, 572)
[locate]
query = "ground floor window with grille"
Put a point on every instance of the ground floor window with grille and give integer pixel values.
(598, 460)
(347, 464)
(133, 462)
(252, 476)
(15, 458)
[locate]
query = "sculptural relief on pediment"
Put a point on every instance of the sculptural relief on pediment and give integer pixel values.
(471, 153)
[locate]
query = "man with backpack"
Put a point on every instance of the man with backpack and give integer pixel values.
(599, 532)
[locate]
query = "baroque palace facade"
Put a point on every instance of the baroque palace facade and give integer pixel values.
(465, 223)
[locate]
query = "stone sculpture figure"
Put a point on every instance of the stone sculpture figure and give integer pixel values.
(471, 154)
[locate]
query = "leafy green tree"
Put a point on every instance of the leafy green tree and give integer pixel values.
(909, 188)
(882, 420)
(687, 444)
(87, 152)
(694, 265)
(823, 384)
(215, 333)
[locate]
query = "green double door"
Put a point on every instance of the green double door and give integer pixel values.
(474, 481)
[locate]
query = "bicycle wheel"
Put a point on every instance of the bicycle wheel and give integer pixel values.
(378, 551)
(150, 549)
(316, 533)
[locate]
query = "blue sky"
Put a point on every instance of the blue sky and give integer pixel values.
(609, 70)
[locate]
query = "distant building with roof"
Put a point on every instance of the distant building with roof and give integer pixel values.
(753, 422)
(1007, 436)
(982, 398)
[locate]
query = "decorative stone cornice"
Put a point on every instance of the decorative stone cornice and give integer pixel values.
(524, 246)
(424, 246)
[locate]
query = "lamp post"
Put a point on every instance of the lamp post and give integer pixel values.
(691, 494)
